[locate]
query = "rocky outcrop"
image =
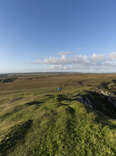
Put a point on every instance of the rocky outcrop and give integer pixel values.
(86, 101)
(99, 101)
(111, 97)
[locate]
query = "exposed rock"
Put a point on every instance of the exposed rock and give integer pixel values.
(86, 101)
(100, 102)
(111, 97)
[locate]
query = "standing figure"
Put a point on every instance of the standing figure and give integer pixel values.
(59, 89)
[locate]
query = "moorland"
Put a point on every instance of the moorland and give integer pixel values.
(38, 120)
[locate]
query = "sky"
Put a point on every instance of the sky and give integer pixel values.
(57, 35)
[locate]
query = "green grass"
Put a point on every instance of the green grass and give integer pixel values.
(42, 122)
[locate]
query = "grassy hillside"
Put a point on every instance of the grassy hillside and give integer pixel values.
(36, 120)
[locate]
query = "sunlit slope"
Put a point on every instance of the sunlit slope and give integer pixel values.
(53, 125)
(42, 122)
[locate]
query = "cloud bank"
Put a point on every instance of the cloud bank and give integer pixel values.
(65, 61)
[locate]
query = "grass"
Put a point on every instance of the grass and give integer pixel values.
(38, 121)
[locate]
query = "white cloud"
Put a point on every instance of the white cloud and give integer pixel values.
(98, 58)
(112, 55)
(94, 62)
(60, 68)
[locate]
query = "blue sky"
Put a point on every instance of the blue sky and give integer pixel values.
(34, 32)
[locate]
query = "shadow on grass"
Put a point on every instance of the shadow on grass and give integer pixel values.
(19, 108)
(61, 97)
(104, 121)
(37, 103)
(61, 104)
(100, 105)
(70, 110)
(15, 110)
(15, 136)
(49, 95)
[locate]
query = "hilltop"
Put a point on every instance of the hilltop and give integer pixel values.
(37, 120)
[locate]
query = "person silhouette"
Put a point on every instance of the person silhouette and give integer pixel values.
(59, 89)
